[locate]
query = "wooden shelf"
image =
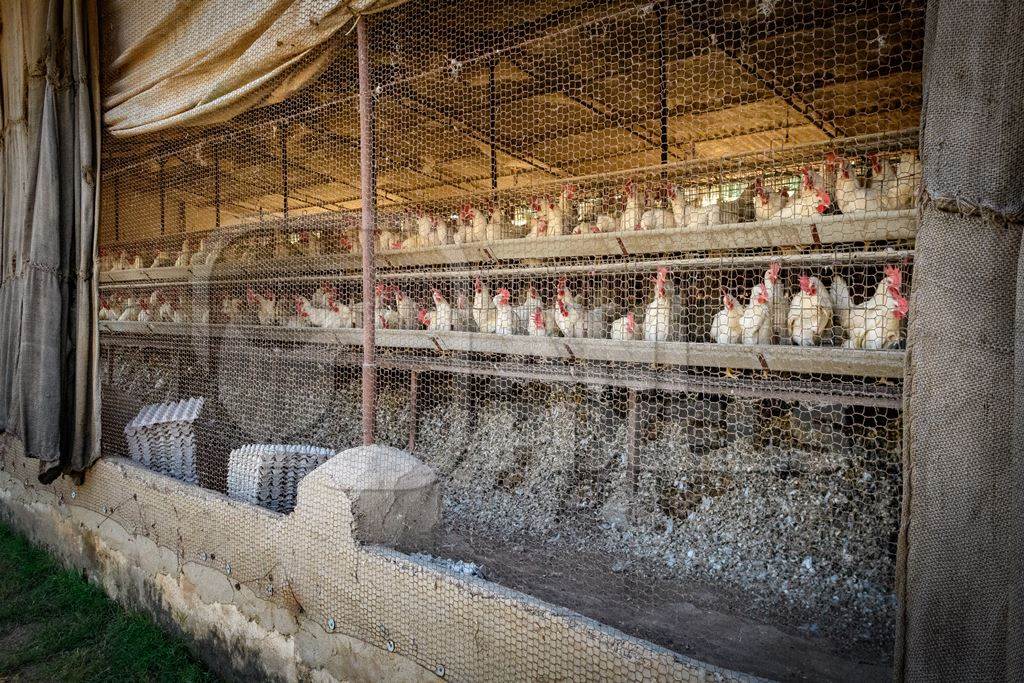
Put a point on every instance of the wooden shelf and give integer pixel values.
(823, 360)
(882, 226)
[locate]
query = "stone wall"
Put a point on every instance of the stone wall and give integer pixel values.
(297, 597)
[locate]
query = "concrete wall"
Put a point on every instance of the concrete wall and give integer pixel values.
(296, 597)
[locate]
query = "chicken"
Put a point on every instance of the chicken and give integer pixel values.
(909, 172)
(680, 207)
(496, 224)
(143, 316)
(484, 313)
(406, 309)
(104, 309)
(162, 260)
(899, 185)
(231, 307)
(441, 233)
(756, 321)
(634, 211)
(199, 256)
(130, 311)
(851, 195)
(537, 325)
(658, 314)
(768, 203)
(624, 328)
(606, 223)
(703, 213)
(873, 324)
(323, 294)
(265, 304)
(657, 218)
(560, 215)
(474, 223)
(530, 303)
(564, 293)
(725, 326)
(811, 199)
(385, 316)
(504, 319)
(569, 319)
(184, 256)
(810, 312)
(440, 319)
(539, 220)
(334, 316)
(387, 240)
(462, 315)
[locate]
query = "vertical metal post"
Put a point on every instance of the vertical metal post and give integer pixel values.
(163, 197)
(662, 82)
(492, 128)
(369, 207)
(283, 135)
(216, 184)
(631, 451)
(414, 390)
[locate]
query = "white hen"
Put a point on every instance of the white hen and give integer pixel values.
(725, 326)
(810, 312)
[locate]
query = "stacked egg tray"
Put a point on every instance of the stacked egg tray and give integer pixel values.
(162, 439)
(268, 475)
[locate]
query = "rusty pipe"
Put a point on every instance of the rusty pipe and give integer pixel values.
(369, 205)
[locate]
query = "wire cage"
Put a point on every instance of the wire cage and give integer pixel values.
(641, 293)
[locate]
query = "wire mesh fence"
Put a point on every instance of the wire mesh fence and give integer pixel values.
(641, 294)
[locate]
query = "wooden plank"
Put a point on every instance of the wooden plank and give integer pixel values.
(848, 228)
(823, 360)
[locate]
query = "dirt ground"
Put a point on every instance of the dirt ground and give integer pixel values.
(695, 620)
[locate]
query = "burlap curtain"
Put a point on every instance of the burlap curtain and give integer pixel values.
(960, 570)
(176, 63)
(48, 191)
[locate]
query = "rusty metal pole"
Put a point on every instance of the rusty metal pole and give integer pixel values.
(369, 209)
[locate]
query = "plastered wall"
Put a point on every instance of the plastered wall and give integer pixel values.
(296, 598)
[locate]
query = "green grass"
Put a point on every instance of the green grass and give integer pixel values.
(56, 626)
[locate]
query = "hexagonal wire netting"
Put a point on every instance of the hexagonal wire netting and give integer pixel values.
(641, 275)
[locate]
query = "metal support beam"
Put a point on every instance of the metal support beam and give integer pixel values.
(367, 189)
(662, 83)
(492, 125)
(282, 133)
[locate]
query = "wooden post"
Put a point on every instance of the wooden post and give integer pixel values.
(368, 228)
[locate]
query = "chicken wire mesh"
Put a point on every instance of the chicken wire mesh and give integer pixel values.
(641, 280)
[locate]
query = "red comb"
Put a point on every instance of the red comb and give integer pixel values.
(894, 274)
